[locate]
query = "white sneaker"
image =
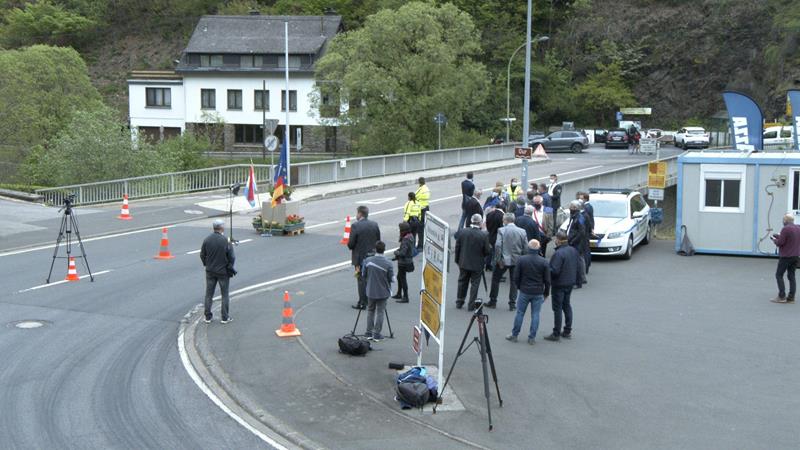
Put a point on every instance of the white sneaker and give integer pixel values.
(224, 321)
(206, 320)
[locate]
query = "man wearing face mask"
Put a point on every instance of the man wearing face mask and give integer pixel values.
(554, 190)
(514, 189)
(543, 216)
(576, 228)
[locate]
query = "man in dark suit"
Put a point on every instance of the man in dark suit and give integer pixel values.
(472, 247)
(474, 205)
(494, 221)
(526, 222)
(363, 236)
(588, 215)
(576, 228)
(467, 189)
(554, 189)
(217, 256)
(564, 268)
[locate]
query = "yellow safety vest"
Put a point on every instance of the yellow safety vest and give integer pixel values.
(514, 193)
(411, 209)
(423, 196)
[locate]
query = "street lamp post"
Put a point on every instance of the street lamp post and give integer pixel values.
(527, 106)
(508, 118)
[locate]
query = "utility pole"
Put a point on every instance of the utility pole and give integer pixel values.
(526, 108)
(264, 121)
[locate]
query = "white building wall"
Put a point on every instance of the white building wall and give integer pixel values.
(193, 83)
(143, 116)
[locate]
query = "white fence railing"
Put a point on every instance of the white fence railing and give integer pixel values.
(302, 174)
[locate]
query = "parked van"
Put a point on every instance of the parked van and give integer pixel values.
(778, 138)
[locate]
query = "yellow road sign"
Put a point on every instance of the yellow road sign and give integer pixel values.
(433, 282)
(429, 314)
(657, 175)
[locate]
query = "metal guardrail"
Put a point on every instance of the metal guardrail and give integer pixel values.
(630, 177)
(302, 174)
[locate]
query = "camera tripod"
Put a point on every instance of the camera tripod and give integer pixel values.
(485, 349)
(69, 224)
(389, 324)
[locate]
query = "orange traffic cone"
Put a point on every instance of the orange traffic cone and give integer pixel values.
(124, 214)
(163, 252)
(346, 236)
(540, 152)
(72, 272)
(287, 324)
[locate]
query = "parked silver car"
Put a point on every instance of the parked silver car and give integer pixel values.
(571, 141)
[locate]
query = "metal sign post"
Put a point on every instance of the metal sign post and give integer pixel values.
(439, 119)
(433, 290)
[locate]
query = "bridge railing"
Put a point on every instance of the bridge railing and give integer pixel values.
(629, 177)
(302, 174)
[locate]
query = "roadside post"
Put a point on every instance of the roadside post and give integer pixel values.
(439, 119)
(433, 290)
(656, 182)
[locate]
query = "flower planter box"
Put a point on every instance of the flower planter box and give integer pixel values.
(294, 229)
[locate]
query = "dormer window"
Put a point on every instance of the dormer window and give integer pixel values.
(210, 60)
(250, 61)
(294, 62)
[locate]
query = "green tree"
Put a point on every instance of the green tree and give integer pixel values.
(43, 22)
(399, 70)
(95, 146)
(602, 93)
(40, 88)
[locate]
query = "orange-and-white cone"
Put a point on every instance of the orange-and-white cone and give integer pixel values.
(72, 272)
(287, 323)
(346, 236)
(163, 252)
(124, 214)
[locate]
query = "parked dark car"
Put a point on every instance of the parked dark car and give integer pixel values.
(617, 138)
(571, 141)
(600, 136)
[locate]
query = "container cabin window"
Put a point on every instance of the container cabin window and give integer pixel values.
(722, 189)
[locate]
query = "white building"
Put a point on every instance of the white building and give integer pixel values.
(221, 75)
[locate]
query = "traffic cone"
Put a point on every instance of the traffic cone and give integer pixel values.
(163, 252)
(540, 152)
(124, 214)
(72, 272)
(346, 237)
(287, 324)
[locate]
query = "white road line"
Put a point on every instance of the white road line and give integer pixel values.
(324, 224)
(98, 238)
(244, 241)
(63, 281)
(203, 387)
(193, 252)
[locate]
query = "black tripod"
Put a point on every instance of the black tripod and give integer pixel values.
(233, 190)
(69, 224)
(389, 324)
(485, 349)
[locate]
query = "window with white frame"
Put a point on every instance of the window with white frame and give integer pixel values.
(722, 188)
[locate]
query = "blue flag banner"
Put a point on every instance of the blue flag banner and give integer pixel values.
(746, 121)
(794, 100)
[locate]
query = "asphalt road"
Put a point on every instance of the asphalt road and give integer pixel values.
(104, 371)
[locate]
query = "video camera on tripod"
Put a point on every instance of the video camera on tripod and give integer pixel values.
(69, 223)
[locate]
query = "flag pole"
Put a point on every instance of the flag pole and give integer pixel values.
(286, 135)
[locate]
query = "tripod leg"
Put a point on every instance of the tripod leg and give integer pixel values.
(358, 316)
(491, 363)
(482, 349)
(455, 360)
(80, 245)
(389, 324)
(58, 244)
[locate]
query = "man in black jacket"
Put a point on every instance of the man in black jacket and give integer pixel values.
(588, 215)
(467, 189)
(526, 222)
(576, 228)
(554, 190)
(363, 236)
(564, 275)
(532, 277)
(472, 248)
(217, 256)
(494, 221)
(473, 205)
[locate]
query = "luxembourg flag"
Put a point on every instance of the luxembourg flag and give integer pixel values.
(250, 188)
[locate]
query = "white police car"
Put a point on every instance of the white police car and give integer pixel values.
(621, 222)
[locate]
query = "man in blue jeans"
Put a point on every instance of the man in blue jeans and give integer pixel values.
(532, 278)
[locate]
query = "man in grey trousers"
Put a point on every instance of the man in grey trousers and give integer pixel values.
(378, 272)
(218, 258)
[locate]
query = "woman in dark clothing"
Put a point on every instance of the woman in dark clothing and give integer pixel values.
(405, 261)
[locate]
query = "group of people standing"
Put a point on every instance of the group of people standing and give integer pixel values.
(510, 235)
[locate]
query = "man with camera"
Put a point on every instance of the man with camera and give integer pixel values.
(364, 234)
(217, 256)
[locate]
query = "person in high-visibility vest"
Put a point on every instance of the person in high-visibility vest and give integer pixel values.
(423, 196)
(514, 190)
(412, 214)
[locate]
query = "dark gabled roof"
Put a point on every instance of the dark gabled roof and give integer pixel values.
(262, 34)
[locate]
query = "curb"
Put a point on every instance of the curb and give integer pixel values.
(19, 195)
(411, 181)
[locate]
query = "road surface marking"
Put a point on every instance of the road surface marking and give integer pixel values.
(376, 201)
(63, 281)
(92, 239)
(187, 365)
(198, 251)
(193, 252)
